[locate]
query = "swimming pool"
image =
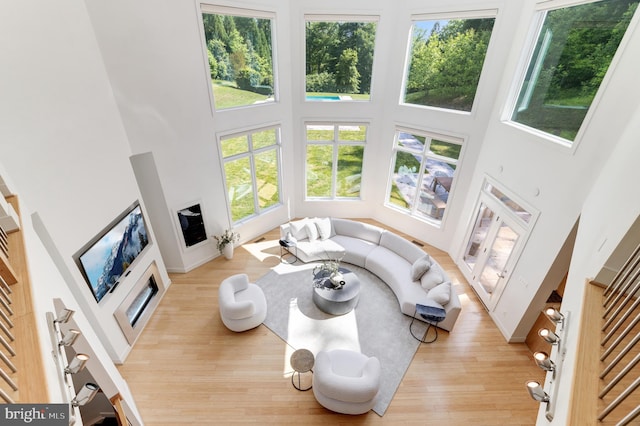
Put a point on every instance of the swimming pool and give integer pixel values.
(322, 98)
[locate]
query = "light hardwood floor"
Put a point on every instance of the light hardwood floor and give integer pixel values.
(188, 369)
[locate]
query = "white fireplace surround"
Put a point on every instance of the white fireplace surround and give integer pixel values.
(145, 296)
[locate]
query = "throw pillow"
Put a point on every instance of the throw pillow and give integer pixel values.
(312, 231)
(291, 238)
(298, 229)
(431, 278)
(420, 266)
(441, 293)
(324, 227)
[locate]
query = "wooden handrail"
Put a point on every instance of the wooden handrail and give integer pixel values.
(584, 404)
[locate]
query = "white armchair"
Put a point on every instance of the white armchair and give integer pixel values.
(242, 304)
(346, 381)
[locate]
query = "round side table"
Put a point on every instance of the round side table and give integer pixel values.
(302, 361)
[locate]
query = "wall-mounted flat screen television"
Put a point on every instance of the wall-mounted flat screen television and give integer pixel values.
(111, 253)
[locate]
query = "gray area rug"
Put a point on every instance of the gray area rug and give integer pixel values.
(376, 327)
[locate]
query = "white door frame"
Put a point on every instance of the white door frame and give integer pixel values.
(502, 214)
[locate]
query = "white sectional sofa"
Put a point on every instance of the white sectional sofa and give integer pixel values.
(413, 276)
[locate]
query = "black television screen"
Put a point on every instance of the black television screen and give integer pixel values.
(110, 254)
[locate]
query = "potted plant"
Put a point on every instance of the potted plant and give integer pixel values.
(329, 268)
(226, 241)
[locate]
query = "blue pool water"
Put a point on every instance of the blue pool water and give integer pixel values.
(322, 98)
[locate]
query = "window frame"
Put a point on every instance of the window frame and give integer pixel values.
(413, 211)
(338, 18)
(465, 14)
(542, 7)
(213, 9)
(251, 153)
(335, 144)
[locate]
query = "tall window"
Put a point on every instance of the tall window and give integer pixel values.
(573, 51)
(251, 163)
(240, 54)
(423, 173)
(334, 159)
(445, 61)
(339, 58)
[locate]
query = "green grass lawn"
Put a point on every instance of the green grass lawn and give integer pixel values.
(227, 95)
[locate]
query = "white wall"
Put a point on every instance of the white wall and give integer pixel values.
(63, 145)
(154, 56)
(159, 76)
(385, 113)
(88, 88)
(553, 179)
(609, 210)
(175, 122)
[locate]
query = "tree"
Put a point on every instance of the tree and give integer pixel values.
(326, 43)
(321, 39)
(223, 64)
(585, 39)
(446, 65)
(239, 45)
(347, 75)
(238, 52)
(213, 64)
(364, 38)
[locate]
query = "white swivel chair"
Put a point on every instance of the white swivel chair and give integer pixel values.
(346, 381)
(242, 304)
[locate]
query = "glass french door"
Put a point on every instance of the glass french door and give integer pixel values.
(490, 250)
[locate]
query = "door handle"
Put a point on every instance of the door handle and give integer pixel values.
(501, 275)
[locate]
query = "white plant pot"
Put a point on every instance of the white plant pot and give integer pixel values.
(228, 251)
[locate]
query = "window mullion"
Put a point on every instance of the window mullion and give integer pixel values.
(334, 171)
(334, 165)
(254, 183)
(419, 178)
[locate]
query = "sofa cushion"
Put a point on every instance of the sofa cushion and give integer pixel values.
(394, 270)
(419, 267)
(298, 230)
(432, 277)
(355, 249)
(312, 231)
(441, 293)
(400, 246)
(324, 227)
(351, 228)
(319, 250)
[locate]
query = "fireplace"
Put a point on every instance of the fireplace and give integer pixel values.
(137, 307)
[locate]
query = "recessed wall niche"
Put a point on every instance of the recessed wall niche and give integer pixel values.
(192, 226)
(137, 307)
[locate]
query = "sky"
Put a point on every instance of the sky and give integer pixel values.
(428, 25)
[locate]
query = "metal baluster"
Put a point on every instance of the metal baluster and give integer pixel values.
(7, 379)
(619, 399)
(7, 346)
(621, 292)
(7, 361)
(4, 294)
(5, 286)
(6, 306)
(6, 397)
(6, 318)
(614, 283)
